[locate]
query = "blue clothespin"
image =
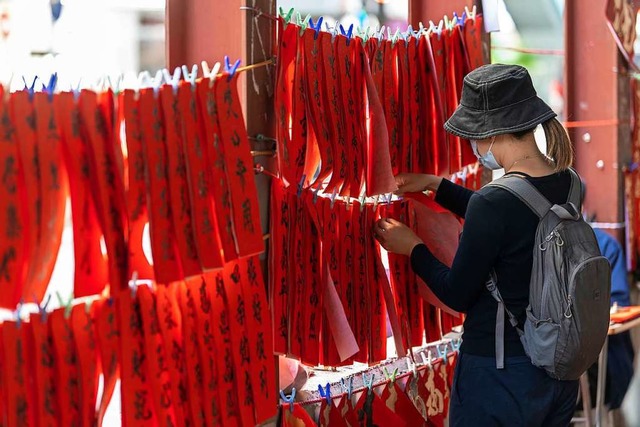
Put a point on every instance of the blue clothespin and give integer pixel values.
(50, 87)
(230, 69)
(368, 382)
(30, 88)
(42, 308)
(174, 79)
(300, 185)
(316, 27)
(325, 392)
(76, 90)
(347, 388)
(190, 76)
(390, 376)
(443, 353)
(16, 313)
(347, 34)
(289, 399)
(65, 305)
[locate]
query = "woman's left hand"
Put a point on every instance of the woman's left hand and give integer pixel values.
(395, 237)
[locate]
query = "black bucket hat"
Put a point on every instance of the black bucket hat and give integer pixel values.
(497, 99)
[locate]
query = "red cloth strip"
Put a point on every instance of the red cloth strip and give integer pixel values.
(345, 68)
(88, 371)
(240, 176)
(313, 284)
(19, 383)
(108, 341)
(362, 302)
(473, 42)
(404, 125)
(377, 279)
(48, 413)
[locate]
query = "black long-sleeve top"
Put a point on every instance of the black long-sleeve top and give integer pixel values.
(498, 233)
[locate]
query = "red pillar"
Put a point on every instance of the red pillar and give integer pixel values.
(597, 84)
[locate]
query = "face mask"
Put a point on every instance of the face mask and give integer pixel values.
(488, 160)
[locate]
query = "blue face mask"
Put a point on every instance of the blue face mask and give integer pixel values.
(488, 160)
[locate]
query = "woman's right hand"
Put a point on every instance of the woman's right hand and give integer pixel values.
(417, 182)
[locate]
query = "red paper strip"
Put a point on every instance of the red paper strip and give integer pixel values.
(14, 215)
(420, 155)
(359, 143)
(178, 185)
(416, 319)
(284, 94)
(433, 57)
(390, 101)
(48, 412)
(375, 411)
(312, 288)
(344, 67)
(317, 101)
(297, 417)
(166, 262)
(398, 402)
(108, 186)
(18, 382)
(334, 115)
(171, 330)
(91, 268)
(473, 42)
(330, 416)
(259, 331)
(435, 401)
(136, 400)
(203, 207)
(301, 147)
(404, 125)
(362, 299)
(345, 282)
(136, 188)
(279, 265)
(377, 280)
(233, 278)
(87, 352)
(66, 368)
(225, 360)
(23, 118)
(157, 366)
(330, 246)
(192, 352)
(219, 193)
(214, 415)
(244, 196)
(298, 284)
(108, 341)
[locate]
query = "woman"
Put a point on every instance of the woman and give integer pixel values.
(498, 112)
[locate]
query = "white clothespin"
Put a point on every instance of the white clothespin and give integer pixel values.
(174, 79)
(190, 76)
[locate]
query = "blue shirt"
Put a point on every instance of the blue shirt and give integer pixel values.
(612, 250)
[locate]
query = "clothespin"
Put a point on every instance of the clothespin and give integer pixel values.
(443, 353)
(289, 399)
(315, 194)
(174, 79)
(157, 81)
(303, 23)
(376, 200)
(87, 306)
(286, 16)
(347, 388)
(301, 185)
(368, 382)
(347, 34)
(411, 366)
(379, 34)
(362, 201)
(190, 76)
(230, 69)
(325, 392)
(133, 286)
(30, 88)
(471, 14)
(316, 27)
(363, 33)
(333, 197)
(456, 344)
(66, 305)
(16, 313)
(212, 73)
(51, 86)
(390, 376)
(42, 308)
(115, 85)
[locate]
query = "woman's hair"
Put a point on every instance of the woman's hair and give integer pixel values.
(559, 147)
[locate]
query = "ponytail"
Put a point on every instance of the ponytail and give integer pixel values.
(559, 147)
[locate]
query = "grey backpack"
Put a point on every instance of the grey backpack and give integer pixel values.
(568, 314)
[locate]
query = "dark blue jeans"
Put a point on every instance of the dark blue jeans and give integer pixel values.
(518, 395)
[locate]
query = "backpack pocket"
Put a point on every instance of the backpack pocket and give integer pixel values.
(541, 338)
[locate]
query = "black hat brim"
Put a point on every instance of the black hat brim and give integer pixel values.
(470, 123)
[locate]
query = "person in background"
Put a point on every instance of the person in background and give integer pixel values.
(620, 351)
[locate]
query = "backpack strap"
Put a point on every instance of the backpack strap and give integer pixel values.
(525, 191)
(575, 191)
(502, 308)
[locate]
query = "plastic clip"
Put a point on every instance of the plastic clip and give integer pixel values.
(443, 353)
(230, 69)
(333, 197)
(286, 17)
(347, 388)
(190, 76)
(301, 185)
(42, 308)
(30, 88)
(174, 79)
(133, 286)
(17, 312)
(325, 392)
(51, 86)
(391, 376)
(316, 27)
(368, 382)
(66, 305)
(289, 399)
